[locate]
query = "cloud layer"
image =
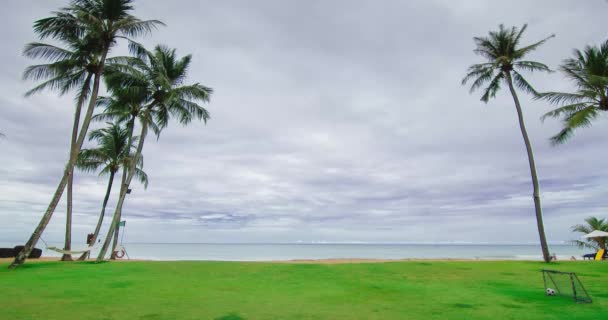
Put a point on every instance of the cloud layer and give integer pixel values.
(339, 121)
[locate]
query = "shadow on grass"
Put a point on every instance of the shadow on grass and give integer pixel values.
(36, 265)
(231, 316)
(94, 262)
(39, 265)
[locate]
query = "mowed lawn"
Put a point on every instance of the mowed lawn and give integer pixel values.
(236, 290)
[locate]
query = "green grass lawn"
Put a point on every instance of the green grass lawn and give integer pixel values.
(234, 290)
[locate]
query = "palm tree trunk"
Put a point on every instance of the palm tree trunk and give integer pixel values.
(127, 177)
(85, 255)
(122, 183)
(21, 256)
(115, 220)
(115, 235)
(68, 224)
(68, 219)
(536, 193)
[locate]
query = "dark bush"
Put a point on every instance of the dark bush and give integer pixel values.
(35, 254)
(7, 253)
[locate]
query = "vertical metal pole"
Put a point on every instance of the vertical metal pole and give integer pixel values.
(587, 296)
(554, 284)
(573, 288)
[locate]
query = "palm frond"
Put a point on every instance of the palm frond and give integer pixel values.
(592, 223)
(492, 88)
(562, 97)
(523, 84)
(35, 50)
(135, 27)
(520, 53)
(532, 66)
(581, 118)
(562, 136)
(584, 245)
(142, 177)
(503, 55)
(565, 110)
(89, 160)
(574, 120)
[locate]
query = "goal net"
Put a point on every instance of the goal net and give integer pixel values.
(565, 284)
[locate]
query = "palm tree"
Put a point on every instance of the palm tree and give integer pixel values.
(501, 49)
(99, 24)
(592, 223)
(125, 105)
(159, 74)
(111, 154)
(588, 70)
(69, 68)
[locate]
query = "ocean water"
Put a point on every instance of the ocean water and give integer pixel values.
(268, 252)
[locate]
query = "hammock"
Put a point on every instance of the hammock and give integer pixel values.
(52, 248)
(119, 248)
(69, 251)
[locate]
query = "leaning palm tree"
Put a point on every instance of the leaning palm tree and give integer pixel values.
(160, 74)
(111, 154)
(588, 70)
(69, 68)
(592, 223)
(504, 55)
(100, 23)
(126, 105)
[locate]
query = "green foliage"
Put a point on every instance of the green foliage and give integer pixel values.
(588, 71)
(504, 57)
(591, 224)
(111, 153)
(150, 86)
(235, 290)
(87, 29)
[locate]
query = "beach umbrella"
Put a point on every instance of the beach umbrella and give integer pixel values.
(596, 234)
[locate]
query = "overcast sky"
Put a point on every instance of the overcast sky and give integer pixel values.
(331, 121)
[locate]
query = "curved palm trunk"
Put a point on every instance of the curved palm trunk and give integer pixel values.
(85, 255)
(68, 219)
(126, 181)
(122, 182)
(68, 223)
(536, 192)
(115, 235)
(21, 256)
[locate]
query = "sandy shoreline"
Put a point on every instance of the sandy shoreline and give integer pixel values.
(295, 261)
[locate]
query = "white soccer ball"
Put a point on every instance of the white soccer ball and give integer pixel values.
(550, 292)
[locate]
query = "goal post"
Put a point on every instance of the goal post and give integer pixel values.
(565, 284)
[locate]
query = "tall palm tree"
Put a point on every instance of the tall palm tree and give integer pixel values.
(126, 105)
(100, 23)
(160, 74)
(69, 68)
(592, 223)
(111, 154)
(588, 70)
(504, 55)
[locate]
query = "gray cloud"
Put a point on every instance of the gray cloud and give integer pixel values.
(334, 121)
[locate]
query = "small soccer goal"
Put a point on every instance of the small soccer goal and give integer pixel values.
(566, 284)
